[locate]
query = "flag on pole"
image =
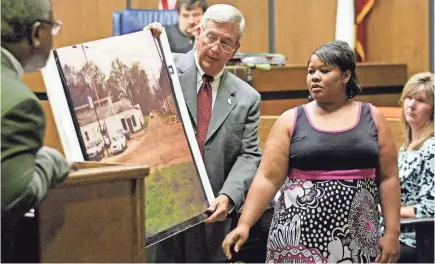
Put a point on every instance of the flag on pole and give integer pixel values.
(168, 4)
(362, 7)
(345, 22)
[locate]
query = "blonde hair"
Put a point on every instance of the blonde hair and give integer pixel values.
(420, 82)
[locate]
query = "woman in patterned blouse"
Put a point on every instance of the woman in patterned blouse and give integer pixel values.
(416, 157)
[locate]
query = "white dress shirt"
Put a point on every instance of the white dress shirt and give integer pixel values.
(214, 84)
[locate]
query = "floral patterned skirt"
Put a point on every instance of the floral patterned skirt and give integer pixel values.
(326, 221)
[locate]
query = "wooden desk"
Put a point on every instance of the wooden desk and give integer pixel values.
(284, 87)
(96, 215)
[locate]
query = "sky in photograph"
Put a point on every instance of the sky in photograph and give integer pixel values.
(128, 48)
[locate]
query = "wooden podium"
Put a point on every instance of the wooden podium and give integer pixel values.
(96, 215)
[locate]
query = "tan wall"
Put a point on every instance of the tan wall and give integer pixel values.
(256, 13)
(303, 25)
(397, 30)
(144, 4)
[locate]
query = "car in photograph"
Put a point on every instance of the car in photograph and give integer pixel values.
(151, 115)
(95, 149)
(125, 133)
(118, 145)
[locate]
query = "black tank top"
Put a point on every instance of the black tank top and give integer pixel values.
(353, 148)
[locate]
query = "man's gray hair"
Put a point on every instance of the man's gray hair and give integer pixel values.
(17, 17)
(224, 14)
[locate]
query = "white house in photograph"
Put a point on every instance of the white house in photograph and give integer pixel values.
(115, 118)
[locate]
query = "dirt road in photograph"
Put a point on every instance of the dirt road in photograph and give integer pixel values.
(158, 145)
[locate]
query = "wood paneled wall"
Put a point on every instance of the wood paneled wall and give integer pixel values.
(256, 14)
(398, 31)
(85, 20)
(303, 25)
(144, 4)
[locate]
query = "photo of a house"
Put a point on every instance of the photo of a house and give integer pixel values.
(121, 96)
(120, 120)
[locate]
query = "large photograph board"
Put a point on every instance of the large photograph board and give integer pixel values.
(119, 100)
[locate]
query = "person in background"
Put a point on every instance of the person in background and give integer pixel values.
(27, 168)
(416, 158)
(225, 113)
(331, 150)
(181, 36)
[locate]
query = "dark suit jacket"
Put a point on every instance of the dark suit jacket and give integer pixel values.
(178, 42)
(27, 168)
(231, 155)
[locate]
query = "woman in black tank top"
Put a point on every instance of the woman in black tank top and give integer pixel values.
(339, 159)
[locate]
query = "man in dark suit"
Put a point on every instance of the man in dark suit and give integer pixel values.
(225, 113)
(27, 168)
(181, 36)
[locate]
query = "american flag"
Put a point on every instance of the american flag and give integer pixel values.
(168, 4)
(351, 24)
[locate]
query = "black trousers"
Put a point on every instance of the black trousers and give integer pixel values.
(189, 246)
(407, 254)
(20, 240)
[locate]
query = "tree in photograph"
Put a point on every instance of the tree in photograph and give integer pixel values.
(165, 90)
(118, 81)
(95, 79)
(77, 86)
(140, 89)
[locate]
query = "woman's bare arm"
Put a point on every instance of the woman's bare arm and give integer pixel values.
(272, 171)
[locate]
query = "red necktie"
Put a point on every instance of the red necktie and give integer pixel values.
(204, 101)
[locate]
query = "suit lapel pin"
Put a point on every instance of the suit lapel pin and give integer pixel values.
(229, 101)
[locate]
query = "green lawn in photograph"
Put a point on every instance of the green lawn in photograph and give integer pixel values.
(173, 195)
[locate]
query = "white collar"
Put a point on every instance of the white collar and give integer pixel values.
(201, 72)
(15, 63)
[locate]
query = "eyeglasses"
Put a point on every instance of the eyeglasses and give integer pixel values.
(210, 39)
(55, 25)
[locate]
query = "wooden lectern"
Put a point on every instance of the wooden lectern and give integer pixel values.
(96, 215)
